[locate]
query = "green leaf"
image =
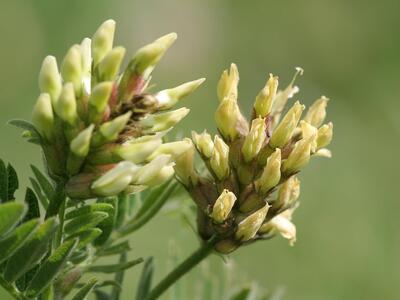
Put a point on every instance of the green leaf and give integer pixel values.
(24, 125)
(10, 214)
(42, 198)
(119, 278)
(36, 247)
(79, 256)
(115, 267)
(107, 225)
(13, 183)
(115, 249)
(101, 295)
(45, 184)
(33, 205)
(85, 222)
(78, 212)
(151, 207)
(145, 279)
(85, 237)
(243, 294)
(85, 290)
(50, 268)
(122, 210)
(3, 182)
(11, 243)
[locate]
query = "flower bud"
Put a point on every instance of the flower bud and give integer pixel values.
(50, 79)
(164, 121)
(263, 103)
(271, 174)
(168, 98)
(174, 149)
(43, 117)
(317, 112)
(248, 228)
(110, 130)
(227, 116)
(116, 180)
(283, 226)
(155, 172)
(71, 67)
(109, 66)
(80, 145)
(288, 193)
(86, 64)
(309, 131)
(299, 157)
(325, 133)
(284, 131)
(138, 150)
(184, 167)
(223, 206)
(102, 41)
(66, 104)
(98, 101)
(219, 160)
(254, 141)
(228, 84)
(323, 152)
(203, 143)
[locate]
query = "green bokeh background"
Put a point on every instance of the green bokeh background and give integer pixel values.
(348, 224)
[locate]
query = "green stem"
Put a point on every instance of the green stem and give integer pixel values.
(182, 269)
(11, 289)
(60, 231)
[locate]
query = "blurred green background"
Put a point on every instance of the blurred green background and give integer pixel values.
(348, 225)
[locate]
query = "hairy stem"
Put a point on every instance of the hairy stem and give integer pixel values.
(182, 269)
(11, 289)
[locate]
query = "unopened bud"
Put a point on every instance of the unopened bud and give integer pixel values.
(271, 174)
(110, 64)
(43, 117)
(309, 131)
(223, 206)
(227, 116)
(86, 64)
(138, 150)
(219, 160)
(184, 167)
(174, 149)
(71, 67)
(168, 98)
(254, 141)
(299, 157)
(116, 180)
(204, 143)
(325, 133)
(98, 101)
(155, 172)
(110, 130)
(317, 112)
(288, 193)
(80, 145)
(284, 130)
(323, 152)
(66, 104)
(163, 121)
(283, 226)
(102, 41)
(264, 100)
(50, 79)
(248, 228)
(228, 84)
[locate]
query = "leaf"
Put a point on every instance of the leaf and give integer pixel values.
(88, 209)
(11, 243)
(85, 290)
(145, 279)
(107, 225)
(24, 125)
(50, 268)
(85, 237)
(45, 184)
(13, 183)
(3, 182)
(122, 209)
(243, 294)
(115, 249)
(148, 211)
(10, 214)
(33, 205)
(31, 252)
(115, 267)
(119, 278)
(101, 295)
(85, 222)
(79, 256)
(42, 198)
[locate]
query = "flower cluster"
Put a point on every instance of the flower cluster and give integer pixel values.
(101, 132)
(252, 189)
